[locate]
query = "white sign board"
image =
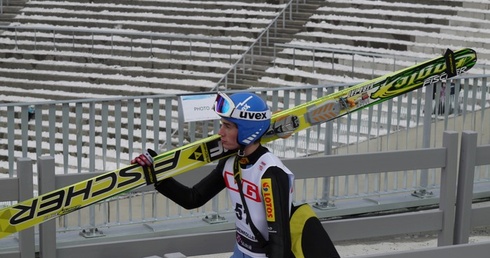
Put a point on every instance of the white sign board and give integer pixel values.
(198, 107)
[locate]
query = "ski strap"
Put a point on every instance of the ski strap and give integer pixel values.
(237, 174)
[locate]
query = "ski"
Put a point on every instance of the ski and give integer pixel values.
(65, 200)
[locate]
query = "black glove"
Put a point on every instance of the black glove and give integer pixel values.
(145, 160)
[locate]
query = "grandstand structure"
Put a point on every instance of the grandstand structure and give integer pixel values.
(78, 49)
(64, 50)
(397, 29)
(126, 48)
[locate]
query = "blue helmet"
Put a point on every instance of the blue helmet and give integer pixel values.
(248, 111)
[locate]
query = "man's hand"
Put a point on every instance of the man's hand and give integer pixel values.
(146, 161)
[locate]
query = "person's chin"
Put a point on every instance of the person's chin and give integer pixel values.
(225, 145)
(229, 146)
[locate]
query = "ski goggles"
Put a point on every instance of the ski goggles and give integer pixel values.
(224, 107)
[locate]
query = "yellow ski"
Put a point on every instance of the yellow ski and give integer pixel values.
(168, 164)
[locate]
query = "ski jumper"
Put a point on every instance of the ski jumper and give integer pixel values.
(263, 174)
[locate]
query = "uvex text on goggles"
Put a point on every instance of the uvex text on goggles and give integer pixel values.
(225, 107)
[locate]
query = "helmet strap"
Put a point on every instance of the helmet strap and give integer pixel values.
(241, 151)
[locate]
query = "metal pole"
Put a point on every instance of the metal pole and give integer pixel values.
(424, 173)
(325, 202)
(25, 175)
(47, 230)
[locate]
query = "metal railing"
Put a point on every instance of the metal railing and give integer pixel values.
(2, 5)
(149, 44)
(451, 216)
(257, 44)
(132, 43)
(347, 62)
(103, 134)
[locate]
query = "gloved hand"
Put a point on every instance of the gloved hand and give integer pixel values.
(146, 161)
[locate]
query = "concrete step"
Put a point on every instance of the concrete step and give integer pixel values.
(186, 29)
(31, 94)
(179, 56)
(100, 85)
(124, 42)
(422, 33)
(95, 68)
(374, 42)
(243, 4)
(390, 7)
(122, 20)
(156, 62)
(6, 19)
(446, 3)
(361, 32)
(163, 8)
(371, 23)
(474, 5)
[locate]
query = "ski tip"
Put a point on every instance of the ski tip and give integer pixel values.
(451, 69)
